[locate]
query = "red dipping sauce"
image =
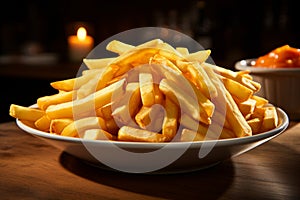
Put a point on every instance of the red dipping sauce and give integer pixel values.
(281, 57)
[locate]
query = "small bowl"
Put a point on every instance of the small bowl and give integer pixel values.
(279, 85)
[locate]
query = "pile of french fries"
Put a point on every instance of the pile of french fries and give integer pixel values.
(152, 92)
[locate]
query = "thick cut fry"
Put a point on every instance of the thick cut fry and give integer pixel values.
(90, 86)
(238, 91)
(61, 97)
(58, 125)
(111, 126)
(125, 109)
(99, 63)
(64, 85)
(190, 136)
(73, 83)
(161, 60)
(233, 115)
(25, 113)
(150, 118)
(214, 131)
(169, 126)
(142, 118)
(43, 123)
(270, 119)
(247, 107)
(255, 86)
(235, 118)
(207, 108)
(78, 127)
(170, 53)
(147, 89)
(260, 101)
(201, 79)
(127, 133)
(89, 103)
(199, 56)
(158, 95)
(185, 102)
(118, 47)
(182, 50)
(105, 111)
(98, 134)
(255, 124)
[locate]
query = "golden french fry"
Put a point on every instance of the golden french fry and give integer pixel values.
(158, 95)
(43, 123)
(135, 57)
(64, 85)
(127, 133)
(105, 111)
(99, 63)
(190, 136)
(255, 86)
(207, 108)
(61, 97)
(199, 56)
(98, 134)
(161, 60)
(128, 106)
(239, 124)
(270, 119)
(233, 115)
(220, 118)
(182, 50)
(89, 103)
(147, 89)
(169, 52)
(142, 118)
(170, 121)
(91, 86)
(185, 102)
(238, 91)
(201, 79)
(111, 126)
(25, 113)
(213, 131)
(73, 83)
(29, 123)
(255, 124)
(150, 118)
(58, 125)
(260, 101)
(118, 47)
(78, 127)
(247, 107)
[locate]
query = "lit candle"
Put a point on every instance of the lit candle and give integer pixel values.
(80, 45)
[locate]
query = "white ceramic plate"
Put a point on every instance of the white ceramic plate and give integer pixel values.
(248, 64)
(173, 157)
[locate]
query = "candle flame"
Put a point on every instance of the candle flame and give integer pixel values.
(81, 33)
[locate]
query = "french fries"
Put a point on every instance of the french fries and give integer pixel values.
(152, 92)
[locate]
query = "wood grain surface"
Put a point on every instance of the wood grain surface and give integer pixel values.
(30, 168)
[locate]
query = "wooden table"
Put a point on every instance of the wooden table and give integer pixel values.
(32, 169)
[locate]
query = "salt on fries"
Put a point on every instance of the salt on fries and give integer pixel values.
(152, 92)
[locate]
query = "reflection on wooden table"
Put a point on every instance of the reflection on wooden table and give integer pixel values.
(32, 169)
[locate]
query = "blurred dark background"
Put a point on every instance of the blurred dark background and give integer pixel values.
(232, 29)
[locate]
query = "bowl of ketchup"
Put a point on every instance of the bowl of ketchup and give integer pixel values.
(278, 72)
